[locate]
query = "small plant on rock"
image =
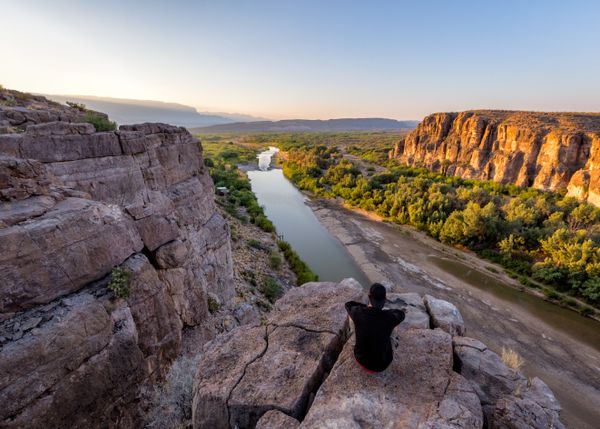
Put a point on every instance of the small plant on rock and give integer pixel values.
(100, 122)
(271, 289)
(119, 282)
(79, 106)
(256, 244)
(274, 260)
(511, 359)
(213, 304)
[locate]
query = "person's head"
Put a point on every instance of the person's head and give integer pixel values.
(377, 295)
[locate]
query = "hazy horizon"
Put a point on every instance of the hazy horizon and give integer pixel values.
(310, 60)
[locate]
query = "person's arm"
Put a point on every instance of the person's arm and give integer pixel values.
(351, 305)
(398, 315)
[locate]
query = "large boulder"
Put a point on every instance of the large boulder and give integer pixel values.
(63, 363)
(532, 405)
(489, 376)
(302, 338)
(414, 308)
(220, 370)
(444, 315)
(419, 388)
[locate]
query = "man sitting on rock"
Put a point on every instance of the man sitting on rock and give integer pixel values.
(373, 327)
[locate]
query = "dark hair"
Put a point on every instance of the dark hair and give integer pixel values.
(377, 295)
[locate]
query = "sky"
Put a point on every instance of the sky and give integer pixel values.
(310, 58)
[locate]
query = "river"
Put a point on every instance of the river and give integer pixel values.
(559, 345)
(295, 221)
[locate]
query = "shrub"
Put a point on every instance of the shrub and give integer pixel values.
(79, 106)
(303, 273)
(100, 122)
(264, 223)
(550, 293)
(271, 289)
(491, 269)
(213, 304)
(171, 402)
(526, 282)
(274, 260)
(586, 310)
(119, 282)
(566, 300)
(256, 244)
(511, 359)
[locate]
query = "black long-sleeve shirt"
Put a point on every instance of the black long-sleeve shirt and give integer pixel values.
(373, 348)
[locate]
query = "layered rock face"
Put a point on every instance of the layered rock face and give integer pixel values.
(298, 370)
(547, 151)
(74, 204)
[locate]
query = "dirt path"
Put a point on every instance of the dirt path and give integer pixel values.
(569, 364)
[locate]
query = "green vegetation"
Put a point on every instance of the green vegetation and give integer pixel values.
(271, 289)
(100, 122)
(221, 158)
(240, 202)
(119, 282)
(545, 236)
(213, 305)
(258, 245)
(274, 260)
(298, 266)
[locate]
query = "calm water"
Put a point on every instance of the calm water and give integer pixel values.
(582, 328)
(285, 206)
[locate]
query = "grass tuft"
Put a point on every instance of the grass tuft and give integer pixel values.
(511, 359)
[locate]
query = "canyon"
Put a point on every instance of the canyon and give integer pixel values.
(547, 151)
(78, 206)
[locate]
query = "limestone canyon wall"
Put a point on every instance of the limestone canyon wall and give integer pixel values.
(74, 204)
(548, 151)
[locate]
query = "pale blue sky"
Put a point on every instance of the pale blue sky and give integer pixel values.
(310, 59)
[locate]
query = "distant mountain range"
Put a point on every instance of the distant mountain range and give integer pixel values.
(126, 111)
(296, 125)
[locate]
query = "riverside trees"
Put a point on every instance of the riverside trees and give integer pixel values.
(553, 238)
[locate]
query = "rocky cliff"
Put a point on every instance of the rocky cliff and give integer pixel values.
(547, 151)
(297, 370)
(74, 204)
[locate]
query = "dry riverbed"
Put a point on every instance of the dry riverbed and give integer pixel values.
(561, 348)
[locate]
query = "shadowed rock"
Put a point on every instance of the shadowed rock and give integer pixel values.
(276, 419)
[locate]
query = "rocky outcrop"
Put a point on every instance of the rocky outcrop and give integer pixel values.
(74, 204)
(547, 151)
(18, 110)
(297, 370)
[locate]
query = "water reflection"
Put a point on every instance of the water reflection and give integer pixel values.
(264, 158)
